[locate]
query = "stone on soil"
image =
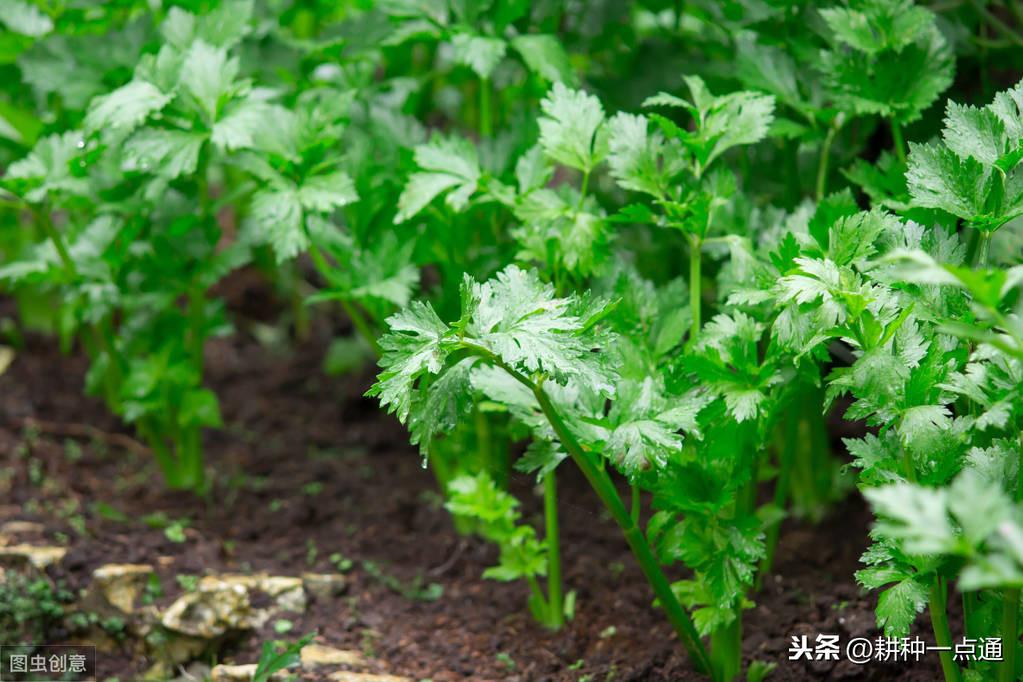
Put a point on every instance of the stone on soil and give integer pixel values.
(316, 655)
(22, 556)
(120, 585)
(215, 608)
(325, 586)
(345, 676)
(223, 603)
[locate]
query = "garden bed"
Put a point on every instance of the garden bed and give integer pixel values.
(307, 469)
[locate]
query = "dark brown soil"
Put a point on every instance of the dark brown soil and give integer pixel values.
(306, 468)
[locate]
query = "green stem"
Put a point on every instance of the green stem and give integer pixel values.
(938, 608)
(486, 125)
(101, 335)
(897, 141)
(555, 601)
(605, 489)
(167, 463)
(996, 22)
(1010, 634)
(357, 318)
(695, 263)
(534, 587)
(299, 311)
(983, 250)
(637, 503)
(582, 190)
(362, 326)
(193, 477)
(822, 164)
(781, 494)
(726, 649)
(196, 304)
(970, 604)
(1010, 602)
(58, 242)
(483, 443)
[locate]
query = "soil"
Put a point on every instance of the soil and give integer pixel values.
(306, 468)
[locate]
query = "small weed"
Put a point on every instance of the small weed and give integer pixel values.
(189, 583)
(414, 590)
(505, 659)
(312, 489)
(153, 589)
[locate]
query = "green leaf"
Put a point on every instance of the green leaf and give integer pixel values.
(570, 126)
(544, 56)
(420, 190)
(166, 153)
(278, 212)
(541, 456)
(897, 84)
(480, 53)
(852, 239)
(48, 168)
(938, 178)
(976, 173)
(642, 161)
(200, 408)
(979, 506)
(240, 124)
(880, 25)
(972, 132)
(412, 348)
(913, 516)
(738, 118)
(898, 606)
(270, 661)
(324, 193)
(646, 425)
(223, 26)
(519, 319)
(125, 108)
(24, 18)
(1008, 107)
(769, 69)
(450, 163)
(385, 271)
(208, 76)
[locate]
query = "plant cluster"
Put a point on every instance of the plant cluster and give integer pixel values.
(668, 278)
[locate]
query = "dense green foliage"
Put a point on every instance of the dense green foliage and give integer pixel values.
(660, 240)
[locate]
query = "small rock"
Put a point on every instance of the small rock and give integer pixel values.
(214, 608)
(239, 673)
(20, 556)
(161, 670)
(22, 528)
(176, 648)
(233, 673)
(121, 584)
(316, 655)
(195, 671)
(345, 676)
(224, 603)
(287, 592)
(325, 586)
